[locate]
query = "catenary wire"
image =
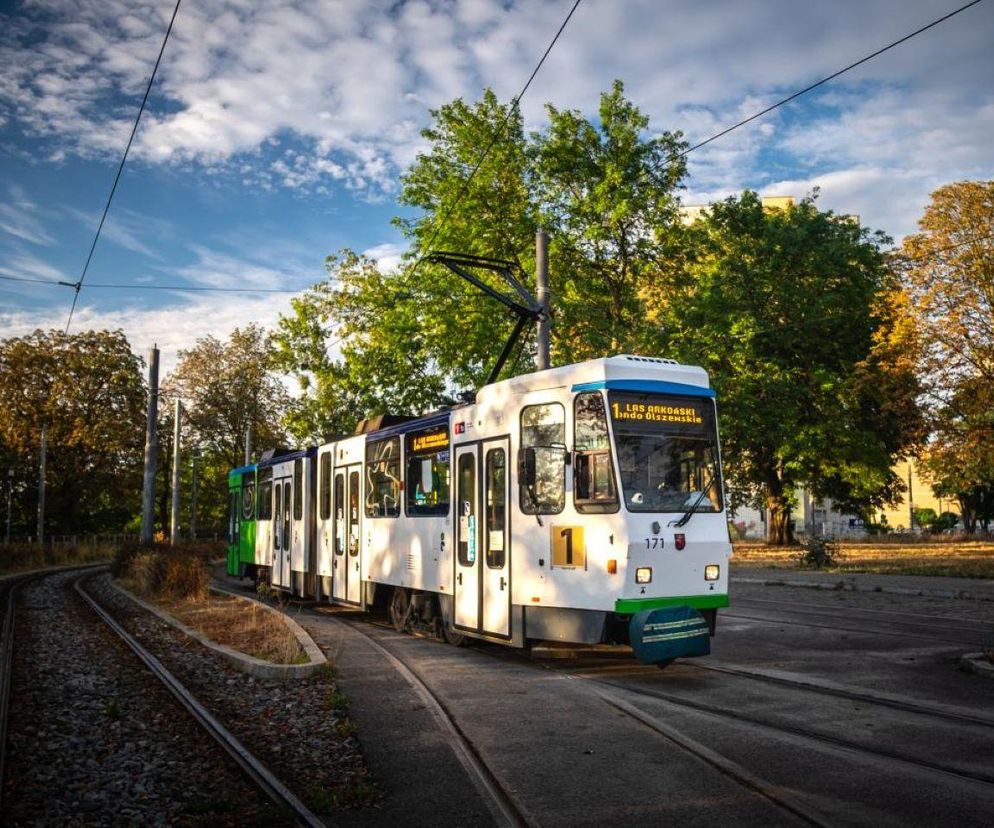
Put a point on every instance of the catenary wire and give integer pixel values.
(117, 178)
(515, 101)
(178, 288)
(821, 82)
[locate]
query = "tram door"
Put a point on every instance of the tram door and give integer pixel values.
(482, 581)
(345, 566)
(282, 538)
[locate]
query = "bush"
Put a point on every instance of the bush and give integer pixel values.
(168, 573)
(818, 552)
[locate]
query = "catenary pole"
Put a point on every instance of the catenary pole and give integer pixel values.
(151, 446)
(41, 483)
(193, 493)
(248, 443)
(174, 516)
(542, 295)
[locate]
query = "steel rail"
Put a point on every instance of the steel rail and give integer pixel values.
(260, 775)
(9, 585)
(904, 705)
(504, 803)
(778, 796)
(798, 732)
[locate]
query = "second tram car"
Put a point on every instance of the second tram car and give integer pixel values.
(579, 504)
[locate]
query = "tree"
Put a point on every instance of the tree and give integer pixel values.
(609, 195)
(949, 270)
(410, 338)
(87, 389)
(226, 388)
(798, 322)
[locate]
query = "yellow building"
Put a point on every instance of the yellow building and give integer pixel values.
(918, 496)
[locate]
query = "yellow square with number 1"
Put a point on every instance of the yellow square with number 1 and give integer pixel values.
(567, 546)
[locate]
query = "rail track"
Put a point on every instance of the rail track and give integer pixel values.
(503, 804)
(253, 769)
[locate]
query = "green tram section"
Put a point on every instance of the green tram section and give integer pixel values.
(241, 518)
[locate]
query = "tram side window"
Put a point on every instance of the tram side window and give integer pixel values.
(325, 482)
(383, 478)
(248, 498)
(265, 499)
(593, 475)
(543, 442)
(427, 491)
(298, 489)
(232, 517)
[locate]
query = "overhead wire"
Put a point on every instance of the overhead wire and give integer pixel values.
(824, 80)
(78, 285)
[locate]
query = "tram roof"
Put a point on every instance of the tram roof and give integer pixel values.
(283, 458)
(433, 420)
(242, 469)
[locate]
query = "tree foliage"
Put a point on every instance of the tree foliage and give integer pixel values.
(949, 267)
(795, 317)
(406, 339)
(227, 388)
(87, 388)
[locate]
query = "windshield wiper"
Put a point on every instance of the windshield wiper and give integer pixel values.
(696, 505)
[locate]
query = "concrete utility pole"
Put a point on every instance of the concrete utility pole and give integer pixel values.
(248, 443)
(193, 494)
(542, 295)
(41, 484)
(174, 517)
(10, 492)
(151, 446)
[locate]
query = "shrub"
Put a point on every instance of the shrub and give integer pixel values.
(818, 552)
(167, 573)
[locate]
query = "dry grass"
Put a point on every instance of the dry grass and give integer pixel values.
(959, 558)
(20, 557)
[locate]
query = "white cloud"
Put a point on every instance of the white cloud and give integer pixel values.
(388, 255)
(172, 328)
(21, 218)
(348, 84)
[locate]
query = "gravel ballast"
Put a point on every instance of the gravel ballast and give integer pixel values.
(94, 739)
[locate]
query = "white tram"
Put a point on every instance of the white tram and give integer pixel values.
(581, 504)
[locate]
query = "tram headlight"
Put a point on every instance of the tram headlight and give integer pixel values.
(643, 575)
(711, 572)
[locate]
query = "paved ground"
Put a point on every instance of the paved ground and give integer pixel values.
(848, 704)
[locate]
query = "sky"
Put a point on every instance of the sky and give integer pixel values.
(276, 132)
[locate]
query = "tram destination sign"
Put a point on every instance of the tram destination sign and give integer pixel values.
(653, 412)
(429, 442)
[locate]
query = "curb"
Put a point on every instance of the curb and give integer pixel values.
(849, 585)
(241, 661)
(978, 664)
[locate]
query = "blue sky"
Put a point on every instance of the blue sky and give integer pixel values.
(276, 132)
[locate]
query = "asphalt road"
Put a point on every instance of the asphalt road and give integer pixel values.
(814, 708)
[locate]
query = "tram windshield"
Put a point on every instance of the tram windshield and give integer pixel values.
(667, 451)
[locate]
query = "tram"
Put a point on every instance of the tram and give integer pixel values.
(578, 504)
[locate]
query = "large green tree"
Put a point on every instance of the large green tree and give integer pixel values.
(797, 319)
(368, 341)
(87, 390)
(949, 268)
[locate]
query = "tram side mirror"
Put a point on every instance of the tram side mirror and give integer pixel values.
(426, 482)
(527, 465)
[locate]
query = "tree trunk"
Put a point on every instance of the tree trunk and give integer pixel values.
(779, 526)
(967, 513)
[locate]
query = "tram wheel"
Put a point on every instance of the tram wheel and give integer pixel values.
(456, 639)
(398, 609)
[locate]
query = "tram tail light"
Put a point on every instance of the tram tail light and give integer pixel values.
(612, 566)
(643, 575)
(679, 540)
(711, 572)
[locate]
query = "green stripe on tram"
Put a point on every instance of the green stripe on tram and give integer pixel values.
(630, 606)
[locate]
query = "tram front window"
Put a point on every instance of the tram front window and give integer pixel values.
(667, 451)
